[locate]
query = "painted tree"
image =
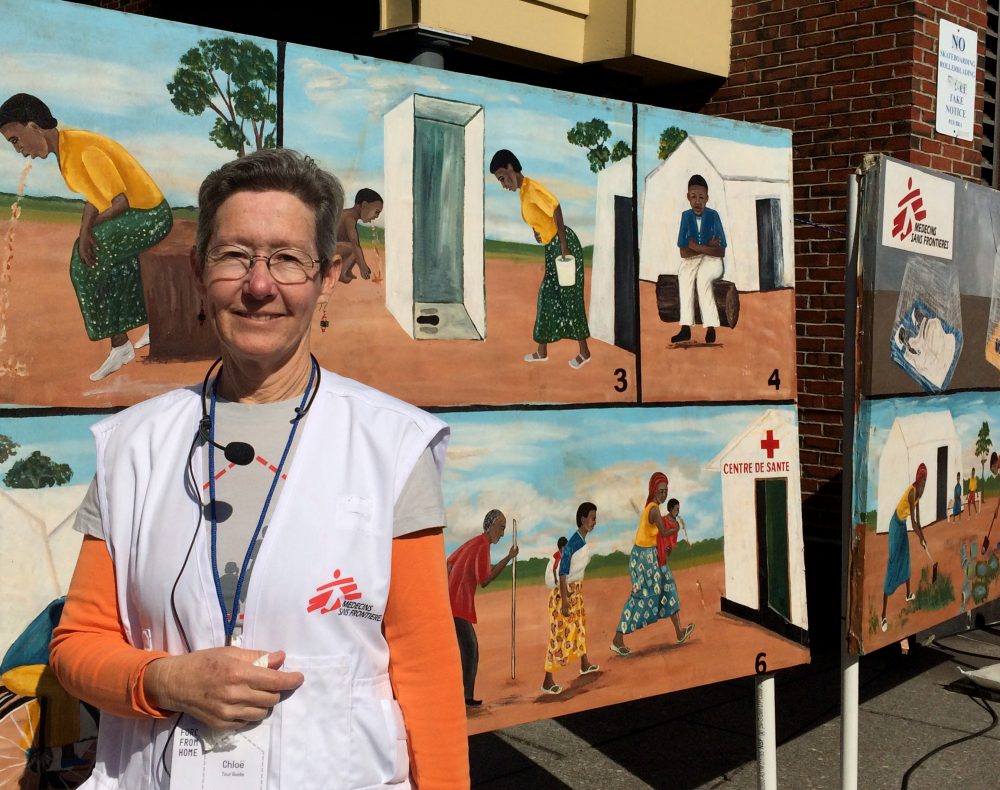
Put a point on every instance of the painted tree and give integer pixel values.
(670, 140)
(593, 135)
(983, 445)
(8, 447)
(37, 471)
(236, 79)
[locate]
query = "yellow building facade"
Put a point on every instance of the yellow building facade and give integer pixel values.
(663, 40)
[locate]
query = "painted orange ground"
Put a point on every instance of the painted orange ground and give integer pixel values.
(721, 647)
(736, 368)
(45, 333)
(944, 541)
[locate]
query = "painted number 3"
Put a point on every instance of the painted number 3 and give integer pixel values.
(620, 377)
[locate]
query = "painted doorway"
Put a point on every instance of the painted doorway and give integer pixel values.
(434, 242)
(770, 264)
(626, 276)
(941, 511)
(772, 546)
(438, 175)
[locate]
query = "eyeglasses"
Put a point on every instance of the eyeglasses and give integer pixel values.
(288, 266)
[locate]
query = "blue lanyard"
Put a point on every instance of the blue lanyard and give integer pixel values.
(229, 619)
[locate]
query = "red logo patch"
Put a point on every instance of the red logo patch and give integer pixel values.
(339, 590)
(911, 210)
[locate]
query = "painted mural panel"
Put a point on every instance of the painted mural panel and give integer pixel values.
(736, 563)
(925, 490)
(734, 582)
(716, 271)
(931, 289)
(459, 270)
(100, 168)
(491, 244)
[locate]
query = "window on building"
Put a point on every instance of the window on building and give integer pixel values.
(990, 143)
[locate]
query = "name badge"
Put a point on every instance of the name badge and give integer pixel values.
(240, 763)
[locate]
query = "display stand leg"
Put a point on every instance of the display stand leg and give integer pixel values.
(848, 720)
(767, 758)
(848, 661)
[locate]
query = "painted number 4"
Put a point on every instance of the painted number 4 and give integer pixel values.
(775, 380)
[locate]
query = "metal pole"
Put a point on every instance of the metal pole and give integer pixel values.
(513, 611)
(767, 758)
(848, 661)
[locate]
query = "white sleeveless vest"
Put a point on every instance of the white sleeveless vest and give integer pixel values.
(318, 589)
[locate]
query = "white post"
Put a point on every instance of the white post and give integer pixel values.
(848, 661)
(848, 720)
(767, 758)
(513, 612)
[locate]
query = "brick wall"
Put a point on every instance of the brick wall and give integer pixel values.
(848, 78)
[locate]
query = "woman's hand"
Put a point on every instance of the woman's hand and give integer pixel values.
(538, 238)
(88, 247)
(220, 686)
(564, 608)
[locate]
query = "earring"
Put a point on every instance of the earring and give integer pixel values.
(201, 313)
(324, 322)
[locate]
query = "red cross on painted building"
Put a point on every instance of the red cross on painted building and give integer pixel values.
(770, 443)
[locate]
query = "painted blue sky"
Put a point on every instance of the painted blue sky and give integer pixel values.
(538, 466)
(968, 411)
(62, 53)
(335, 103)
(66, 440)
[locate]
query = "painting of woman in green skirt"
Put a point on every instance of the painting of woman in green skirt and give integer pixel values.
(560, 314)
(125, 214)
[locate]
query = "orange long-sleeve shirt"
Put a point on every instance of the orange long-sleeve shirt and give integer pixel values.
(94, 662)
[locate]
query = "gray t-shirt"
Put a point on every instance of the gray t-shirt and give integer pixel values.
(241, 491)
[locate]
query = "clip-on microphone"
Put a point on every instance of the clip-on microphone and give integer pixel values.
(239, 453)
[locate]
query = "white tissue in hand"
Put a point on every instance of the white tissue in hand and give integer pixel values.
(222, 740)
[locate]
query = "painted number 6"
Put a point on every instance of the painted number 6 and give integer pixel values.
(760, 664)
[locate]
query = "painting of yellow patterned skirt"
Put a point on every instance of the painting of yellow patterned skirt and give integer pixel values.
(567, 635)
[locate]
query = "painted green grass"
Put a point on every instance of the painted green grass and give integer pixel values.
(934, 595)
(42, 209)
(64, 210)
(604, 566)
(57, 209)
(526, 253)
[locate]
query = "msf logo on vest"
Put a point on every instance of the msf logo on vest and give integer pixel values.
(341, 595)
